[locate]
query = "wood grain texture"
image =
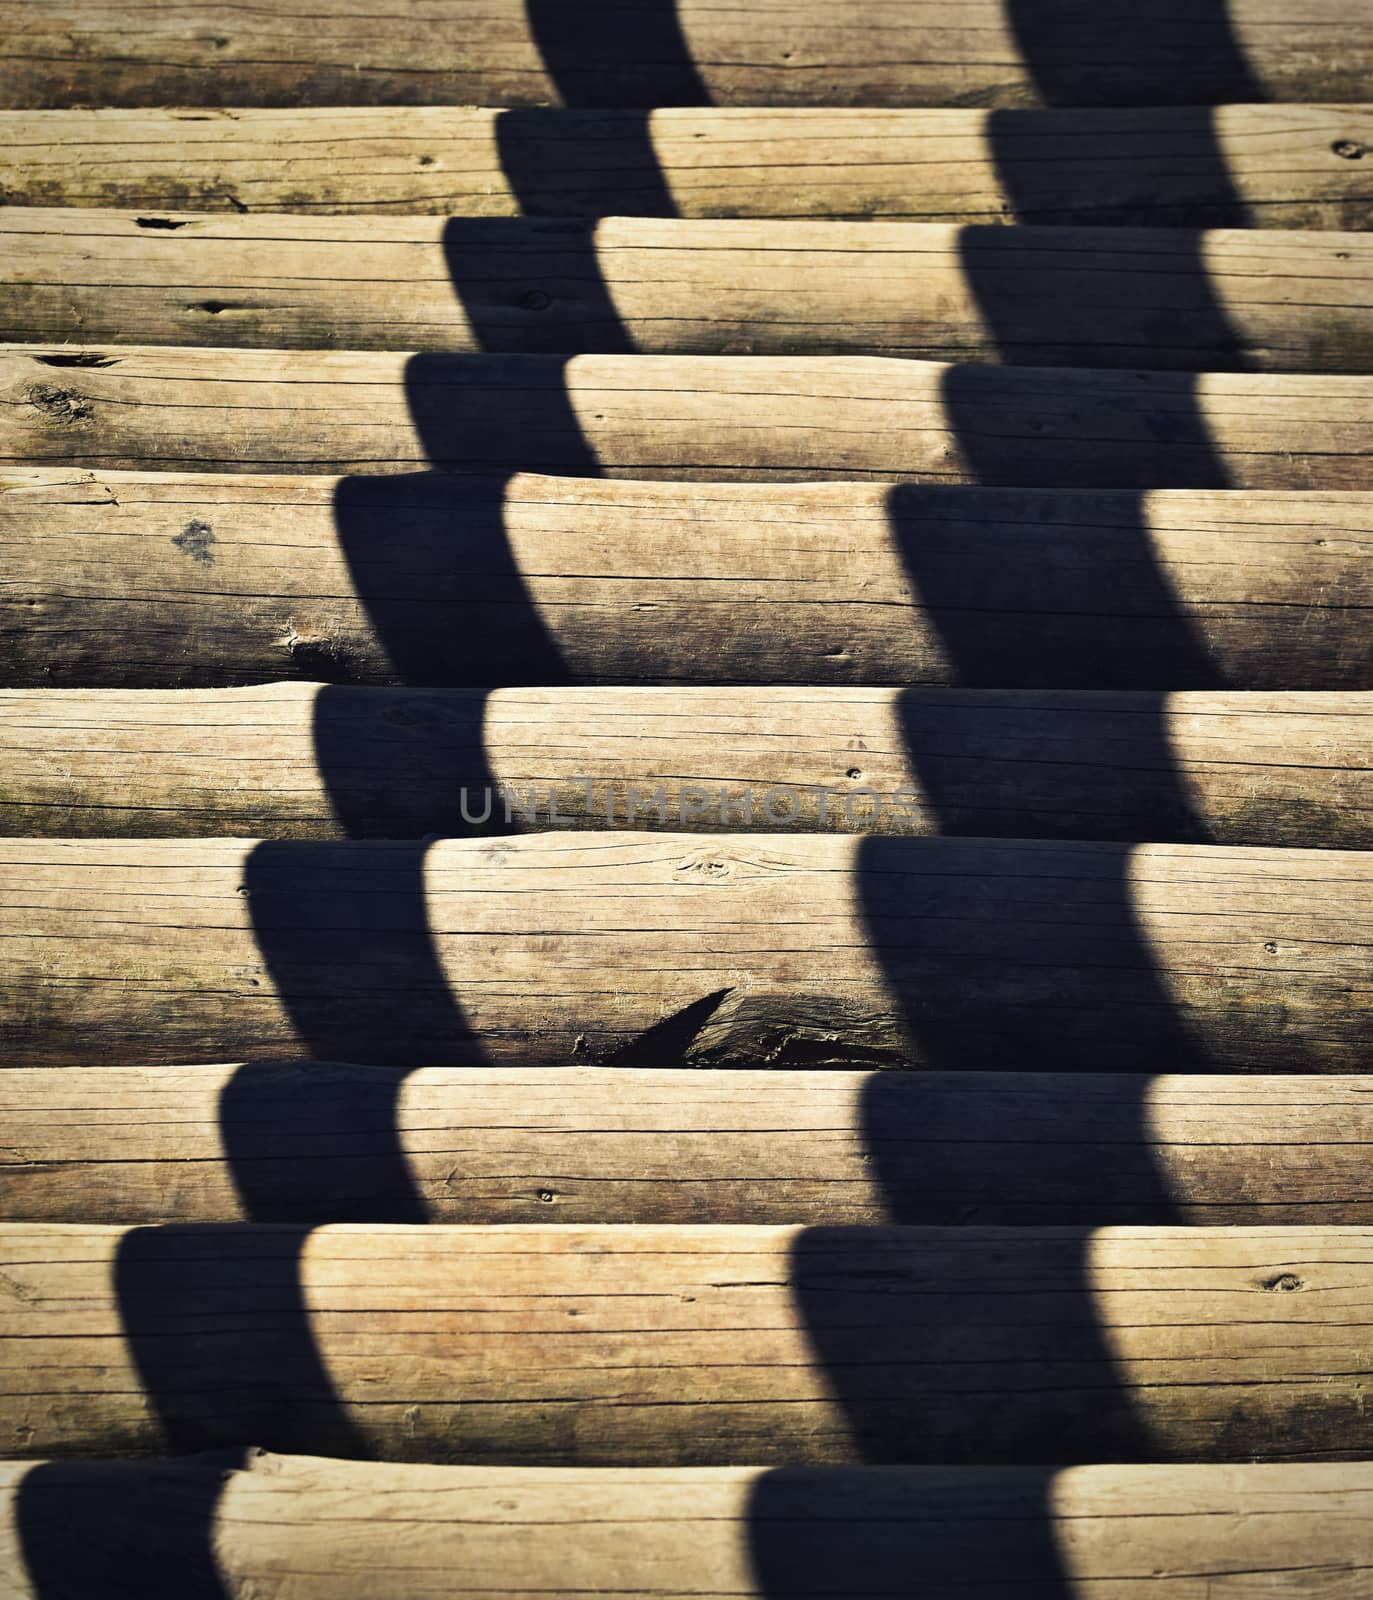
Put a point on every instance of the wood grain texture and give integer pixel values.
(325, 1530)
(681, 417)
(1255, 165)
(311, 1142)
(298, 761)
(789, 52)
(639, 949)
(1222, 300)
(196, 579)
(691, 1346)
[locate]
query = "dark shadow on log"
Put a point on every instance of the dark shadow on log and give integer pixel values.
(219, 1331)
(606, 173)
(1131, 179)
(315, 1142)
(949, 1161)
(482, 414)
(350, 953)
(923, 1361)
(832, 1532)
(1106, 430)
(1059, 605)
(1094, 304)
(400, 536)
(403, 764)
(606, 56)
(972, 995)
(89, 1530)
(1009, 771)
(1080, 53)
(537, 288)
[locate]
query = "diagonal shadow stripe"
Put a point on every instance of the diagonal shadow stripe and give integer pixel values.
(430, 515)
(1024, 1028)
(176, 1287)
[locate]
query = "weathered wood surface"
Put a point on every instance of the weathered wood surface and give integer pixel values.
(239, 1526)
(127, 579)
(689, 1346)
(762, 418)
(648, 950)
(1221, 300)
(626, 52)
(306, 761)
(312, 1142)
(1257, 165)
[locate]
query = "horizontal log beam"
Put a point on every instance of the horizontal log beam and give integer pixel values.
(681, 417)
(314, 1142)
(689, 1345)
(127, 579)
(308, 761)
(1097, 297)
(1255, 165)
(232, 1526)
(499, 52)
(638, 949)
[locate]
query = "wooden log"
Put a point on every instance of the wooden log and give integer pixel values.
(235, 1527)
(194, 579)
(637, 949)
(306, 761)
(1222, 300)
(1253, 165)
(626, 52)
(312, 1142)
(689, 1346)
(762, 418)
